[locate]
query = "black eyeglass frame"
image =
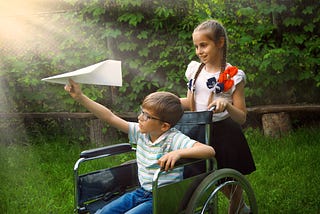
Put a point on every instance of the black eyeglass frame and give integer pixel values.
(146, 116)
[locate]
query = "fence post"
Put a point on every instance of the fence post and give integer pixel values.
(276, 124)
(97, 135)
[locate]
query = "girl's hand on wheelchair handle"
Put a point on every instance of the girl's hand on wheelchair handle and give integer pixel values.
(219, 105)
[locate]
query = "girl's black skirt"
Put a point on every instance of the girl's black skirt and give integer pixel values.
(231, 146)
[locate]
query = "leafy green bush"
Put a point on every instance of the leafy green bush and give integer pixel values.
(275, 42)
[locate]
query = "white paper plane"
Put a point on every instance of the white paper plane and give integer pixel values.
(107, 72)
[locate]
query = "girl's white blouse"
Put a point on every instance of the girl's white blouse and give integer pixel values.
(202, 92)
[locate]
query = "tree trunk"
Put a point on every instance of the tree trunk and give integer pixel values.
(276, 124)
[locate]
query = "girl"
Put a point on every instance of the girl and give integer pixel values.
(214, 82)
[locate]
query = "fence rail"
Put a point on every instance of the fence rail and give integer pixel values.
(275, 120)
(62, 115)
(284, 108)
(265, 109)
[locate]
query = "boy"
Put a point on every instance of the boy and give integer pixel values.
(158, 144)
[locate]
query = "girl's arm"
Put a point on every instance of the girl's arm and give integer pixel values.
(199, 150)
(186, 101)
(237, 109)
(97, 109)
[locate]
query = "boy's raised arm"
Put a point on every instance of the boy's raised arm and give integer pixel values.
(97, 109)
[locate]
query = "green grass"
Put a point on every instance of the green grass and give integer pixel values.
(287, 177)
(38, 177)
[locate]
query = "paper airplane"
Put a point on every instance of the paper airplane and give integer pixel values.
(107, 72)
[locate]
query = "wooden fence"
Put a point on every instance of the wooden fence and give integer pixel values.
(274, 120)
(277, 120)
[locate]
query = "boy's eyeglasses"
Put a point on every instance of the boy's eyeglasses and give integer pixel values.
(145, 116)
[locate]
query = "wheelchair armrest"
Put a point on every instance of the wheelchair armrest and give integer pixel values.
(184, 162)
(187, 161)
(112, 150)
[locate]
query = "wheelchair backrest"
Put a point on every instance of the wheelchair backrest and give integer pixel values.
(196, 125)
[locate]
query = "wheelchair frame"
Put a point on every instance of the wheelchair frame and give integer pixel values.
(197, 193)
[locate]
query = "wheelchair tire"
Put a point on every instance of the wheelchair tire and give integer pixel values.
(209, 197)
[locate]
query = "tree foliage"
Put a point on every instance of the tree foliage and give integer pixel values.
(275, 42)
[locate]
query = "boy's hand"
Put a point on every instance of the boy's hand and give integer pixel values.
(168, 161)
(74, 89)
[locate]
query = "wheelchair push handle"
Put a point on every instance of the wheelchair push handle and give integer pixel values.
(212, 108)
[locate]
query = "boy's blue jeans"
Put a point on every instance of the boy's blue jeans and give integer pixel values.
(135, 202)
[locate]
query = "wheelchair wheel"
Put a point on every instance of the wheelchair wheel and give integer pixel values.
(214, 193)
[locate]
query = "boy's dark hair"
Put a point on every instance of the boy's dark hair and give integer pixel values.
(164, 105)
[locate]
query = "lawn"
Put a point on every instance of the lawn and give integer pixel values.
(287, 176)
(38, 177)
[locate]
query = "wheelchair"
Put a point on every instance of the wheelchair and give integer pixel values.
(202, 189)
